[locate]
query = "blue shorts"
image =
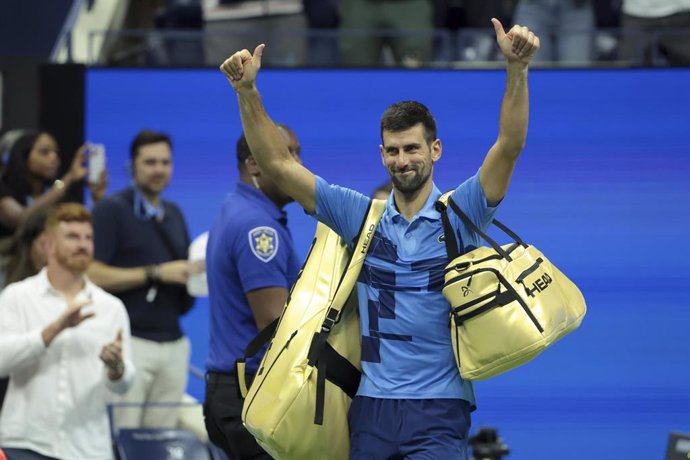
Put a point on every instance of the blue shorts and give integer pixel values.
(414, 429)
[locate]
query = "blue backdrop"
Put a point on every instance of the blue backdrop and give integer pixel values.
(602, 188)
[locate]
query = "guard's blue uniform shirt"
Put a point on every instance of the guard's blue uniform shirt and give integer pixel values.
(249, 247)
(406, 342)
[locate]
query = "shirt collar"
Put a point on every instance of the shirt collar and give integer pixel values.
(257, 196)
(428, 211)
(46, 288)
(143, 208)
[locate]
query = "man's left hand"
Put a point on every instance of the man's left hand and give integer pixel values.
(111, 355)
(518, 45)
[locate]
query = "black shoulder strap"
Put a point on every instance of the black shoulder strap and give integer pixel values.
(128, 196)
(448, 233)
(158, 225)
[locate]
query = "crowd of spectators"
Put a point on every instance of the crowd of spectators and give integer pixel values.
(66, 350)
(413, 33)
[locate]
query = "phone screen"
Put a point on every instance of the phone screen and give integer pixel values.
(96, 162)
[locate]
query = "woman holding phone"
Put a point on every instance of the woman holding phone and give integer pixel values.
(30, 180)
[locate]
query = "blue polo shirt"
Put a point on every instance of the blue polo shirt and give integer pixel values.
(404, 318)
(249, 247)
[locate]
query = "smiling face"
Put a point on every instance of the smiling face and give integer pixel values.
(409, 158)
(153, 167)
(43, 161)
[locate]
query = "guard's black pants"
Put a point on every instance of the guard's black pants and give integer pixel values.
(222, 416)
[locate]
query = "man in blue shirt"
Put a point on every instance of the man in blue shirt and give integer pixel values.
(251, 266)
(412, 402)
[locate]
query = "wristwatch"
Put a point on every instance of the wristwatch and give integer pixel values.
(153, 274)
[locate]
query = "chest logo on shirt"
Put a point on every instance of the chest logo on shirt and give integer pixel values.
(263, 242)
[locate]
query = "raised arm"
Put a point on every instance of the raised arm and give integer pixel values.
(264, 139)
(13, 213)
(20, 347)
(518, 46)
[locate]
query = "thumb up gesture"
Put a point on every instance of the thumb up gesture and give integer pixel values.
(111, 355)
(518, 45)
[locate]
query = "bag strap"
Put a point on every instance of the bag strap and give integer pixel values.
(448, 233)
(187, 300)
(329, 364)
(359, 252)
(366, 232)
(442, 206)
(166, 240)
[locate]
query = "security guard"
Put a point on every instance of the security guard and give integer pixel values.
(251, 265)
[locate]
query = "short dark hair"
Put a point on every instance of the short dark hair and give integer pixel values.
(243, 151)
(406, 114)
(146, 137)
(242, 148)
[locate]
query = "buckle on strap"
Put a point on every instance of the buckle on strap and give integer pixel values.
(329, 322)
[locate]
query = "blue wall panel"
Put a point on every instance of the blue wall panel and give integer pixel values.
(602, 187)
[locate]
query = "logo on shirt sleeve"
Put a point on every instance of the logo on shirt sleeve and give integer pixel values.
(264, 243)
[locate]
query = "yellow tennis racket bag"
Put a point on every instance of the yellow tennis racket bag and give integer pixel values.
(508, 303)
(297, 404)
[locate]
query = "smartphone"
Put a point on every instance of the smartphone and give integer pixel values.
(96, 162)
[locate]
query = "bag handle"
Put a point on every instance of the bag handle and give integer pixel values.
(446, 199)
(448, 233)
(259, 340)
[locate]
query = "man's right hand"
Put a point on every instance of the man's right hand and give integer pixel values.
(177, 271)
(241, 68)
(77, 170)
(72, 317)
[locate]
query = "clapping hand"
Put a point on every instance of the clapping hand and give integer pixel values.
(111, 355)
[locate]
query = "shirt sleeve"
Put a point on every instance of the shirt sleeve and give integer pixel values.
(105, 231)
(469, 196)
(18, 347)
(340, 208)
(262, 254)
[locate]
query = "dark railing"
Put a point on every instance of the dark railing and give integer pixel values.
(321, 48)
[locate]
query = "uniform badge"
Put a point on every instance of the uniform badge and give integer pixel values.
(264, 243)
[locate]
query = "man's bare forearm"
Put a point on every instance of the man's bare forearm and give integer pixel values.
(117, 279)
(265, 141)
(514, 110)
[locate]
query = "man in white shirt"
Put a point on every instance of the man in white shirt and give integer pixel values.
(65, 343)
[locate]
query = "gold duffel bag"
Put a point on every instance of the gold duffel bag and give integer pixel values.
(297, 404)
(508, 303)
